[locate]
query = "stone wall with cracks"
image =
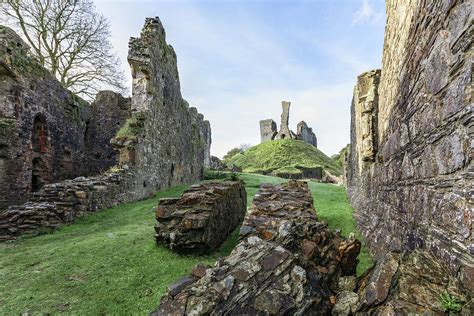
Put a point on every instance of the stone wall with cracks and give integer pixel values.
(164, 141)
(410, 167)
(286, 263)
(157, 139)
(46, 132)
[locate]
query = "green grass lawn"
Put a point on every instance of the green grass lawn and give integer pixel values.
(108, 262)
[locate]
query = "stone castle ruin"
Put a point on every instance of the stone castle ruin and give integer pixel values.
(47, 134)
(409, 170)
(114, 150)
(268, 128)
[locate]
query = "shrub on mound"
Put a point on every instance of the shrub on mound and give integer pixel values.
(284, 156)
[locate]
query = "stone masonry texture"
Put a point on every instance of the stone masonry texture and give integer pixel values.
(410, 167)
(165, 142)
(268, 130)
(202, 218)
(306, 134)
(286, 263)
(47, 134)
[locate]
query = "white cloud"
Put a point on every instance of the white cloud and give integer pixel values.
(367, 13)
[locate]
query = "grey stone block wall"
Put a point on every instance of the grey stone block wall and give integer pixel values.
(411, 160)
(47, 134)
(159, 140)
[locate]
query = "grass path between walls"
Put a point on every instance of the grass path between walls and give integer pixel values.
(108, 262)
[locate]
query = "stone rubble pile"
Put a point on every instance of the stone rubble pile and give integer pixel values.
(286, 262)
(202, 218)
(61, 203)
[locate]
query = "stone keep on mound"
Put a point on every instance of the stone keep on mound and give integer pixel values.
(285, 263)
(268, 128)
(202, 218)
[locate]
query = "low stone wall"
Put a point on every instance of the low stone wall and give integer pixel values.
(61, 203)
(202, 218)
(285, 263)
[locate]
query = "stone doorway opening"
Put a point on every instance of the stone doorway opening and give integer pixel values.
(39, 174)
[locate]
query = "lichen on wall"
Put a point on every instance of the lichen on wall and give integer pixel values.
(409, 171)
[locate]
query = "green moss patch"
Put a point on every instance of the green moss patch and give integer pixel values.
(131, 128)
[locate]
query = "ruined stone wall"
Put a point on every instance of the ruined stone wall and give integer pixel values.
(109, 111)
(286, 263)
(285, 132)
(160, 140)
(306, 134)
(410, 165)
(268, 130)
(61, 203)
(165, 141)
(202, 218)
(44, 128)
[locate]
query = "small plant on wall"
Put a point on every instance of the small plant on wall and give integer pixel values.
(449, 303)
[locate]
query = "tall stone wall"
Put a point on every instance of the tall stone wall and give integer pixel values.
(45, 130)
(159, 139)
(109, 111)
(165, 141)
(410, 165)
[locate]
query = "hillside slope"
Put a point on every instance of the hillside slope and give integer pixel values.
(283, 156)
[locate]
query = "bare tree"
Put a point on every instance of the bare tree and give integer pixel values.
(70, 39)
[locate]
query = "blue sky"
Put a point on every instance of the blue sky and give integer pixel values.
(239, 59)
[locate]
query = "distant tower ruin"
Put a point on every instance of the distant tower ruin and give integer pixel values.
(284, 132)
(268, 128)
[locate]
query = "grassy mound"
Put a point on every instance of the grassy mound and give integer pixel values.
(283, 156)
(108, 263)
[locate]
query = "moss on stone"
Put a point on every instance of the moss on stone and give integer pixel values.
(132, 127)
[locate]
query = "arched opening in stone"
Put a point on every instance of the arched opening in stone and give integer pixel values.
(282, 136)
(39, 137)
(38, 174)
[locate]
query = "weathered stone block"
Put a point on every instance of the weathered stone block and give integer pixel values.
(406, 284)
(305, 133)
(285, 263)
(202, 218)
(268, 130)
